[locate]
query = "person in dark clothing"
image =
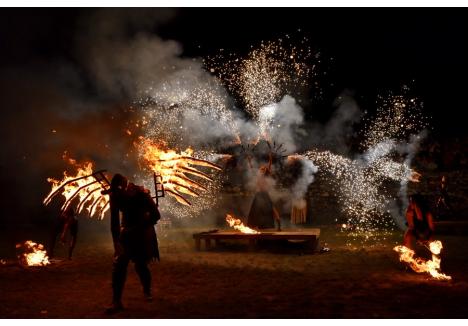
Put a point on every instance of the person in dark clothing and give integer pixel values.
(263, 214)
(66, 222)
(420, 222)
(133, 236)
(443, 201)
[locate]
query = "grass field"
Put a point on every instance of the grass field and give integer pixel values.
(352, 280)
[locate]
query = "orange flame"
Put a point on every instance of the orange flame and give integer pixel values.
(89, 196)
(420, 265)
(415, 176)
(174, 167)
(34, 254)
(238, 225)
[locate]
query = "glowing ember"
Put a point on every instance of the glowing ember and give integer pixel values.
(420, 265)
(238, 225)
(87, 189)
(174, 169)
(34, 254)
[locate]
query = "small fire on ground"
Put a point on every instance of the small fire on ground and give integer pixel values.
(33, 254)
(420, 265)
(238, 225)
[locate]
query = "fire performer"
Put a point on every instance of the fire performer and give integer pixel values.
(134, 237)
(420, 222)
(262, 212)
(66, 222)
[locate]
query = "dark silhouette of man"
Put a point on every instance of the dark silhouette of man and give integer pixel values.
(66, 222)
(263, 214)
(133, 236)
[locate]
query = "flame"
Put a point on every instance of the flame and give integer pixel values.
(238, 225)
(174, 167)
(420, 265)
(34, 254)
(87, 189)
(415, 176)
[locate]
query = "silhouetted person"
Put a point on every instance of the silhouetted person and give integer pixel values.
(134, 236)
(443, 198)
(420, 222)
(66, 222)
(263, 214)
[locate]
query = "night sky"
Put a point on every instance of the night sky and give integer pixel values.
(47, 80)
(365, 50)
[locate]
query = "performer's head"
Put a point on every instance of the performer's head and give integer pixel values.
(265, 170)
(418, 201)
(118, 185)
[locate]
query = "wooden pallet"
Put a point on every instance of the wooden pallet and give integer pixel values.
(309, 235)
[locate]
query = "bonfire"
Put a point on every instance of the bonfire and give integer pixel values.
(33, 254)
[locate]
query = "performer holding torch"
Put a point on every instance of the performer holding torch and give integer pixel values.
(134, 236)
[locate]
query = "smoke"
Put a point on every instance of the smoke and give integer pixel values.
(299, 188)
(282, 122)
(78, 103)
(120, 54)
(337, 132)
(396, 210)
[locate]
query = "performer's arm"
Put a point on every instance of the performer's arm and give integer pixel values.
(430, 221)
(115, 223)
(410, 218)
(277, 218)
(153, 210)
(66, 226)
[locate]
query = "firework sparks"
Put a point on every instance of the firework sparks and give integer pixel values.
(265, 74)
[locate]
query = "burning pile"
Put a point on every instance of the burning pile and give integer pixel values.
(174, 167)
(420, 265)
(238, 225)
(33, 254)
(83, 185)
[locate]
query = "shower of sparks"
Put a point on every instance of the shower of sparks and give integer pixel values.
(189, 101)
(265, 74)
(172, 110)
(397, 118)
(360, 182)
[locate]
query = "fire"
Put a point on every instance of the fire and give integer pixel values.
(238, 225)
(34, 254)
(174, 169)
(420, 265)
(87, 189)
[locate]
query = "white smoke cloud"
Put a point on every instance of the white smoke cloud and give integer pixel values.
(282, 122)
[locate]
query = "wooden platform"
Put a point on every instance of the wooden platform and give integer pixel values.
(311, 236)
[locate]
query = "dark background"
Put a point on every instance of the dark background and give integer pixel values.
(44, 79)
(366, 50)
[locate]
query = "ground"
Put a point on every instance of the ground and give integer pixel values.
(350, 281)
